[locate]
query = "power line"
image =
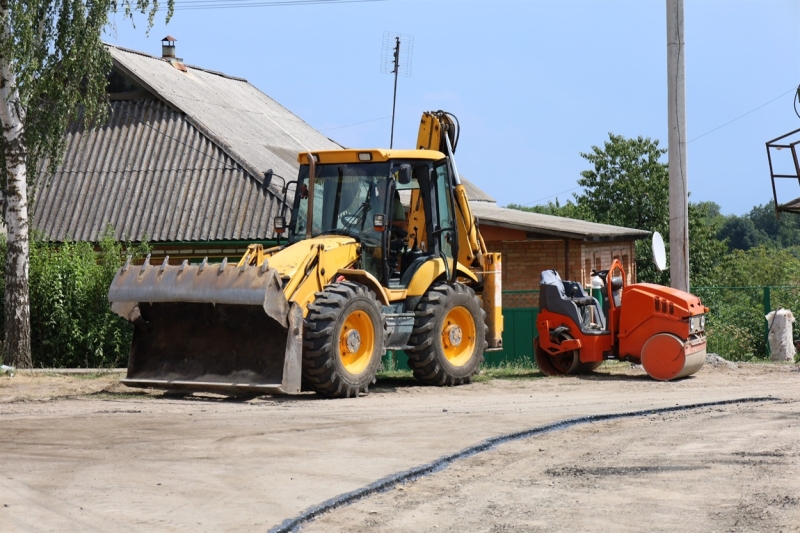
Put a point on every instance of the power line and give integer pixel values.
(552, 195)
(355, 123)
(193, 5)
(793, 89)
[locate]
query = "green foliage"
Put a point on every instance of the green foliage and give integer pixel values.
(761, 226)
(705, 250)
(741, 233)
(760, 266)
(71, 323)
(736, 319)
(629, 186)
(54, 51)
(568, 210)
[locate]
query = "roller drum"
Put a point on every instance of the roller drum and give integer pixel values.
(666, 356)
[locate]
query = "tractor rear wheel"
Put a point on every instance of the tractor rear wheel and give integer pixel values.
(449, 335)
(343, 340)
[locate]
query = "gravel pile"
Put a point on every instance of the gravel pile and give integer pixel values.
(717, 361)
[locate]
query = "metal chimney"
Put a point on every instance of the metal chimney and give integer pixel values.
(168, 47)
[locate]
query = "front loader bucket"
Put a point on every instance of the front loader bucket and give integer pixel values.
(209, 328)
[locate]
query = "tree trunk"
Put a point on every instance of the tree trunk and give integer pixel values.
(17, 346)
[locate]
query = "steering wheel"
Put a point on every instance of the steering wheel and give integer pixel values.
(399, 232)
(350, 219)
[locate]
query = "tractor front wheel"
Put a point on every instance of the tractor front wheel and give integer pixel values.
(343, 340)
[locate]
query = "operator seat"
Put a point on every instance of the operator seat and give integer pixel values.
(568, 298)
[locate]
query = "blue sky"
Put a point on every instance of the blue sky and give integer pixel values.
(532, 83)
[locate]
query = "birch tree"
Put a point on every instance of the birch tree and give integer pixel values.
(53, 69)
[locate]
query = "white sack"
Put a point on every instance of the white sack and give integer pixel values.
(781, 343)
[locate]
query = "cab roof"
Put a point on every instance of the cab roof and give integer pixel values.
(375, 155)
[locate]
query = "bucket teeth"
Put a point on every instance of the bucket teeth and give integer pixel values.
(164, 263)
(223, 264)
(127, 263)
(146, 263)
(202, 265)
(183, 265)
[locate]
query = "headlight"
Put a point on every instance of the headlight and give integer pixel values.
(697, 323)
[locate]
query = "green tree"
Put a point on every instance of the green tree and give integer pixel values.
(783, 232)
(741, 233)
(568, 210)
(629, 186)
(53, 71)
(705, 249)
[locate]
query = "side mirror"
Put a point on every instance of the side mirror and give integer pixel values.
(379, 222)
(267, 178)
(404, 174)
(279, 223)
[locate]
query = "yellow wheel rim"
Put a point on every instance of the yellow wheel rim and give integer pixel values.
(356, 342)
(458, 336)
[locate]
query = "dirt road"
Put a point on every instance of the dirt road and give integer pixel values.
(82, 454)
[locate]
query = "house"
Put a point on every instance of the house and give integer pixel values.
(179, 162)
(532, 242)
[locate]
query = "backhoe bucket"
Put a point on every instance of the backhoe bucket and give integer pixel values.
(209, 328)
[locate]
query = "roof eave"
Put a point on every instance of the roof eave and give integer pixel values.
(633, 234)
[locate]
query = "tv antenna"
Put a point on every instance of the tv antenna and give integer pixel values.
(396, 59)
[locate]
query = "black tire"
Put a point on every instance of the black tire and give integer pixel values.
(543, 360)
(565, 363)
(331, 366)
(429, 356)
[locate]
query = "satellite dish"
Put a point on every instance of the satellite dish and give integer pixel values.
(659, 253)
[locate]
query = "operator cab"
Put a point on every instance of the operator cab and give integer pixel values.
(358, 194)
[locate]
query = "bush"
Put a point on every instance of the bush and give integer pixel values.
(71, 322)
(736, 323)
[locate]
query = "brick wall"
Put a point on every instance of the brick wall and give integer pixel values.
(598, 255)
(523, 261)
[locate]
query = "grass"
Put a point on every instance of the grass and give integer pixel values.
(96, 375)
(506, 370)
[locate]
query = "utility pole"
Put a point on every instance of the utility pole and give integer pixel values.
(395, 71)
(396, 60)
(678, 177)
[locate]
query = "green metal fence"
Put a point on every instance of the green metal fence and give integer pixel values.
(519, 317)
(520, 309)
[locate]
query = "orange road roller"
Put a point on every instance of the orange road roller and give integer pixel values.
(661, 328)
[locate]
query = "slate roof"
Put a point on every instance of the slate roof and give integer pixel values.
(149, 172)
(540, 225)
(182, 162)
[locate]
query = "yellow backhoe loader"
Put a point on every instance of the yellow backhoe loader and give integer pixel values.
(359, 275)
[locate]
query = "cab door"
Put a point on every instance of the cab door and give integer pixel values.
(443, 219)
